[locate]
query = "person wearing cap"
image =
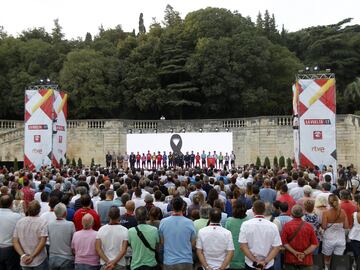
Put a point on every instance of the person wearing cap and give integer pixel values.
(299, 240)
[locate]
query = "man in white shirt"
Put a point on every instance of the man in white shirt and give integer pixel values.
(294, 182)
(9, 258)
(44, 204)
(138, 200)
(198, 189)
(259, 239)
(109, 236)
(214, 245)
(298, 192)
(242, 182)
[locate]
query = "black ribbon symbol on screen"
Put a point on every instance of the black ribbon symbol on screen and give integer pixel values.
(176, 143)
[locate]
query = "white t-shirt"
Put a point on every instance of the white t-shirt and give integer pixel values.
(138, 202)
(44, 208)
(259, 230)
(215, 241)
(112, 237)
(49, 217)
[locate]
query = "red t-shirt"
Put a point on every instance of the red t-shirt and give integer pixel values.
(28, 195)
(305, 237)
(289, 200)
(197, 157)
(138, 157)
(148, 156)
(349, 208)
(159, 158)
(82, 212)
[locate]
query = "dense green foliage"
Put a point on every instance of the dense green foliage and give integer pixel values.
(212, 64)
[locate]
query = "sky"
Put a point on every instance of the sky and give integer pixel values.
(80, 16)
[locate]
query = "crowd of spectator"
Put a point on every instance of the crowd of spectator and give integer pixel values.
(178, 218)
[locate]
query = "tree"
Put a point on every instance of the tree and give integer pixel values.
(16, 165)
(88, 38)
(61, 163)
(258, 162)
(56, 33)
(267, 163)
(67, 161)
(289, 164)
(86, 74)
(92, 163)
(275, 162)
(79, 163)
(259, 22)
(142, 29)
(171, 17)
(282, 162)
(73, 162)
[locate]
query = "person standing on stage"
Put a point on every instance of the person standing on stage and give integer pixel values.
(158, 160)
(153, 158)
(148, 160)
(125, 161)
(221, 160)
(171, 159)
(143, 161)
(192, 159)
(187, 160)
(108, 159)
(132, 160)
(203, 159)
(232, 157)
(215, 156)
(113, 160)
(226, 158)
(197, 159)
(138, 158)
(164, 158)
(120, 160)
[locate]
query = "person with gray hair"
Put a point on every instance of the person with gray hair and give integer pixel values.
(61, 232)
(143, 256)
(299, 240)
(204, 217)
(84, 245)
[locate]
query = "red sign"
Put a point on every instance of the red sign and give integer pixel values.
(60, 128)
(317, 135)
(37, 127)
(37, 138)
(317, 121)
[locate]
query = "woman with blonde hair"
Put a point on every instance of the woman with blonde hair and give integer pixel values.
(334, 222)
(320, 206)
(18, 203)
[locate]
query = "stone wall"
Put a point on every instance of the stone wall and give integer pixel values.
(252, 137)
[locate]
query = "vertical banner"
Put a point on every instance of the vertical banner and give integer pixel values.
(296, 126)
(38, 128)
(317, 116)
(59, 128)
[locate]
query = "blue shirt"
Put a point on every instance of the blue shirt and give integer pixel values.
(267, 195)
(177, 232)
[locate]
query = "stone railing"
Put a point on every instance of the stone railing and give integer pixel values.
(11, 124)
(89, 124)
